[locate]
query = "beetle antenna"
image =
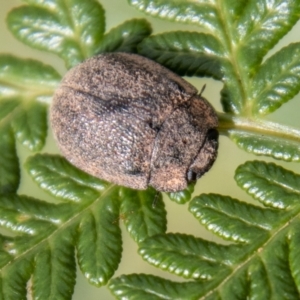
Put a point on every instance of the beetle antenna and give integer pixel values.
(202, 90)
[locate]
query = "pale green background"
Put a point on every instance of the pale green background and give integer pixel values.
(218, 180)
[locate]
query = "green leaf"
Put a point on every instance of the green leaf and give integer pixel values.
(142, 286)
(261, 26)
(189, 257)
(71, 29)
(14, 279)
(9, 163)
(20, 212)
(275, 146)
(264, 276)
(272, 185)
(125, 37)
(24, 85)
(26, 79)
(85, 222)
(276, 265)
(186, 53)
(55, 269)
(202, 13)
(99, 242)
(143, 213)
(184, 196)
(96, 206)
(262, 137)
(7, 106)
(262, 262)
(30, 125)
(231, 219)
(197, 53)
(234, 9)
(48, 235)
(239, 35)
(62, 180)
(294, 244)
(276, 83)
(232, 95)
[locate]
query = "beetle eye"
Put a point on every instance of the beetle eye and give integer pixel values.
(191, 176)
(212, 134)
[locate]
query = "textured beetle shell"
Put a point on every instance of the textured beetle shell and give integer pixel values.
(128, 120)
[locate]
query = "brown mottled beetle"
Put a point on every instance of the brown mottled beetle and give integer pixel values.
(126, 119)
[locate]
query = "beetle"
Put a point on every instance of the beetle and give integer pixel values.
(130, 121)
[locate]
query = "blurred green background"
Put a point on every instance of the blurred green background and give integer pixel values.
(218, 180)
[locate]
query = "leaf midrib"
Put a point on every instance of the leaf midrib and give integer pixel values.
(64, 226)
(76, 31)
(231, 56)
(31, 92)
(277, 80)
(273, 235)
(230, 124)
